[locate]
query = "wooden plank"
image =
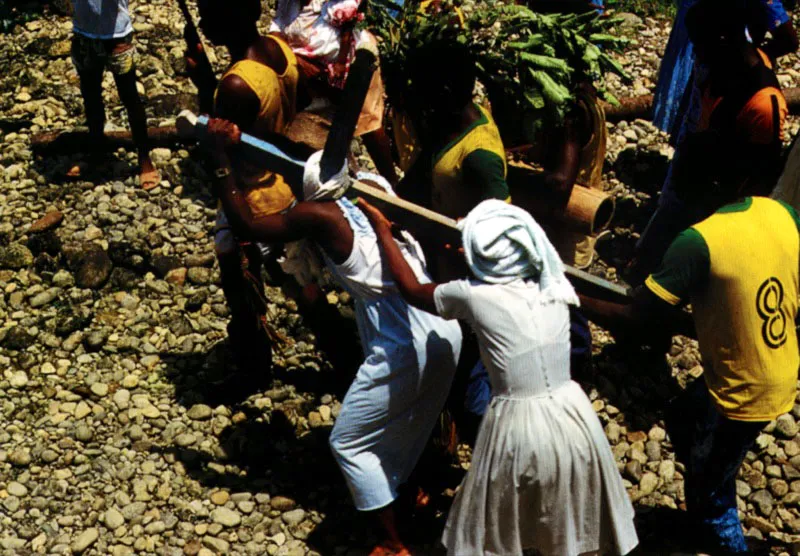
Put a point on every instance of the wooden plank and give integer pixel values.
(417, 219)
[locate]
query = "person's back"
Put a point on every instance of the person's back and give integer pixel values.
(469, 169)
(524, 341)
(542, 476)
(266, 191)
(745, 320)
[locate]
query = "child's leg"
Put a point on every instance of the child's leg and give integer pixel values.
(92, 93)
(87, 56)
(122, 65)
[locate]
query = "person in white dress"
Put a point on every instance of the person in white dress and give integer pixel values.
(410, 356)
(542, 475)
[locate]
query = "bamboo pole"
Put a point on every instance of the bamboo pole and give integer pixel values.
(587, 211)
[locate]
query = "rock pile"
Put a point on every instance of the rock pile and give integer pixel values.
(125, 428)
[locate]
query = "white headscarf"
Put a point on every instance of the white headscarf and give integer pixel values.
(503, 243)
(315, 190)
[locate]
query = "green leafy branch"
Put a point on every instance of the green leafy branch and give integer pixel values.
(535, 60)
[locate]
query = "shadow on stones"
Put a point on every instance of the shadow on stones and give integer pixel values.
(636, 379)
(274, 460)
(661, 530)
(642, 170)
(211, 377)
(264, 454)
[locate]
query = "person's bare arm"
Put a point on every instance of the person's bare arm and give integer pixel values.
(237, 103)
(645, 313)
(303, 221)
(560, 177)
(416, 294)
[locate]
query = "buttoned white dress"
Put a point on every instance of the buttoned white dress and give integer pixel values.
(542, 474)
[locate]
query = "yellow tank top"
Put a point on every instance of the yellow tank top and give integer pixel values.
(448, 194)
(266, 192)
(745, 315)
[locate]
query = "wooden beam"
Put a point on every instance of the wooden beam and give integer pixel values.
(417, 219)
(641, 107)
(79, 141)
(427, 222)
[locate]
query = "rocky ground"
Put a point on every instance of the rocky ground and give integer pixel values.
(124, 426)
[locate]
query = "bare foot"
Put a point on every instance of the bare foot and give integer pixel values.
(77, 170)
(149, 178)
(390, 548)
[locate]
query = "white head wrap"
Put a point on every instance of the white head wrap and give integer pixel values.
(315, 190)
(503, 243)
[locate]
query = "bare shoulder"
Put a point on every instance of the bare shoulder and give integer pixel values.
(236, 101)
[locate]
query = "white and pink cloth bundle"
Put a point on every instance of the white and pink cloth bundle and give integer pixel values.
(314, 29)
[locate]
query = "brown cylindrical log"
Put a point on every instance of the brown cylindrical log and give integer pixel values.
(641, 107)
(630, 108)
(587, 206)
(75, 141)
(588, 211)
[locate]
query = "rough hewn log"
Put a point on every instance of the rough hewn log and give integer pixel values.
(75, 141)
(630, 108)
(641, 107)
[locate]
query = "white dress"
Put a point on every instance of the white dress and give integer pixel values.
(410, 358)
(542, 476)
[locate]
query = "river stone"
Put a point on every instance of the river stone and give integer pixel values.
(648, 483)
(199, 412)
(18, 379)
(15, 257)
(20, 457)
(293, 517)
(93, 267)
(786, 426)
(50, 220)
(226, 517)
(763, 500)
(83, 541)
(113, 518)
(17, 489)
(282, 503)
(133, 510)
(83, 433)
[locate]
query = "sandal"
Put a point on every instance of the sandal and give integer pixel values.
(149, 179)
(76, 170)
(389, 548)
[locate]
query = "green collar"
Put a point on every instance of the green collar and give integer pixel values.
(737, 206)
(480, 121)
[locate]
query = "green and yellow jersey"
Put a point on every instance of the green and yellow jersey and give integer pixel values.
(470, 169)
(740, 268)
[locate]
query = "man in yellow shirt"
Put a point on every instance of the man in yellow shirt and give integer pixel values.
(740, 100)
(258, 93)
(740, 270)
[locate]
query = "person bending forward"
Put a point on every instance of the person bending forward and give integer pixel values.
(409, 355)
